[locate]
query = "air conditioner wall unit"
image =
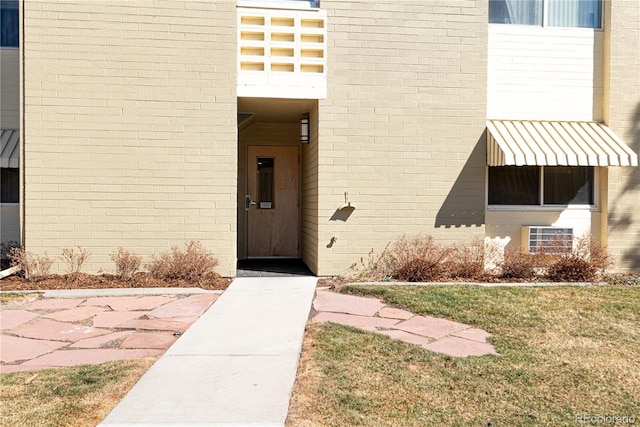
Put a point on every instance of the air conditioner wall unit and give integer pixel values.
(546, 239)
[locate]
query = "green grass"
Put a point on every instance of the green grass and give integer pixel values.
(563, 351)
(76, 396)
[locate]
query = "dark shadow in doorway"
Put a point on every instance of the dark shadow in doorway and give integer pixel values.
(272, 267)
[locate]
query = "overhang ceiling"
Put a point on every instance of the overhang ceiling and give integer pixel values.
(275, 110)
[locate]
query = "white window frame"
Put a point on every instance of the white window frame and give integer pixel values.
(546, 207)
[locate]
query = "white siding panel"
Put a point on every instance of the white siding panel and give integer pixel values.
(537, 73)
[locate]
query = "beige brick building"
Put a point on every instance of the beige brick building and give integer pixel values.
(150, 123)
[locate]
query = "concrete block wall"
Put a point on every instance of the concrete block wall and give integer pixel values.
(130, 127)
(622, 114)
(402, 128)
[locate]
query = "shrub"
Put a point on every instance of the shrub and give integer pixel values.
(588, 260)
(193, 265)
(465, 261)
(127, 263)
(518, 264)
(5, 252)
(32, 265)
(417, 260)
(75, 260)
(571, 268)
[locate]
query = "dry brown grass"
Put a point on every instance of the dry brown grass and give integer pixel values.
(74, 397)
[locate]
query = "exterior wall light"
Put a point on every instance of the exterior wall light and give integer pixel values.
(304, 129)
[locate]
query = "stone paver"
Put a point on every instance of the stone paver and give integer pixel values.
(56, 331)
(130, 303)
(149, 340)
(111, 319)
(62, 358)
(431, 327)
(190, 306)
(431, 333)
(175, 324)
(59, 331)
(339, 303)
(16, 348)
(395, 313)
(368, 323)
(10, 319)
(74, 314)
(406, 337)
(473, 334)
(460, 347)
(55, 304)
(100, 341)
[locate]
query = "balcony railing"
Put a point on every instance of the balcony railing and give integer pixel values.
(282, 53)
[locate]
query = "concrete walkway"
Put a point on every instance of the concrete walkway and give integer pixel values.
(235, 366)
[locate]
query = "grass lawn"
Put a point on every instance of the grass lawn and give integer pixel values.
(76, 396)
(564, 352)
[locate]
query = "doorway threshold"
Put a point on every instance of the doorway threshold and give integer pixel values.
(272, 267)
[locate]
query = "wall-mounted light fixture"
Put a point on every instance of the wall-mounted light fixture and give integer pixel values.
(304, 129)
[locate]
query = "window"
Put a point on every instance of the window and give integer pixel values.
(265, 182)
(548, 13)
(9, 23)
(9, 185)
(541, 186)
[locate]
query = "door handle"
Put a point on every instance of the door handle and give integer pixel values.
(248, 202)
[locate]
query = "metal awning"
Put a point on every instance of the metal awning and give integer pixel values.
(544, 143)
(9, 148)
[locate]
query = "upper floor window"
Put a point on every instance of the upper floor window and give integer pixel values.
(9, 23)
(549, 13)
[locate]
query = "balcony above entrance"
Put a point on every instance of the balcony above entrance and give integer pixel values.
(282, 53)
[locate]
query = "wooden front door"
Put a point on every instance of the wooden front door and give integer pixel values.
(272, 201)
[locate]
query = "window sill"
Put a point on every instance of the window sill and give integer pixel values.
(8, 205)
(550, 208)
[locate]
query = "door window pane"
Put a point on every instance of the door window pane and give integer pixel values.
(265, 182)
(514, 185)
(568, 185)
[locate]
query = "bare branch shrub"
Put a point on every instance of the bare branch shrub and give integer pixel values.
(587, 262)
(370, 268)
(33, 266)
(75, 260)
(518, 264)
(465, 261)
(417, 260)
(193, 265)
(127, 263)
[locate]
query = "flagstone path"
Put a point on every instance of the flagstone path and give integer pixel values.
(431, 333)
(58, 332)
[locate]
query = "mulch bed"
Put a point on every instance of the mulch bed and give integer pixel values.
(105, 281)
